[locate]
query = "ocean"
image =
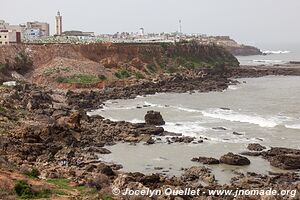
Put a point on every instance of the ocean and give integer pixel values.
(274, 55)
(262, 110)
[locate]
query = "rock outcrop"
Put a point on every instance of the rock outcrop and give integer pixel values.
(234, 159)
(154, 118)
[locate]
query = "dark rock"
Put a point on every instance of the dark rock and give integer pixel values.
(255, 147)
(236, 133)
(219, 128)
(206, 160)
(251, 153)
(234, 159)
(286, 161)
(154, 118)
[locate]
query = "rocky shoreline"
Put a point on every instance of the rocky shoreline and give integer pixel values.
(49, 130)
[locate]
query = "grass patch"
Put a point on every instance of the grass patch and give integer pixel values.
(56, 70)
(122, 74)
(64, 184)
(106, 197)
(80, 79)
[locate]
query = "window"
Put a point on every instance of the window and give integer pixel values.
(4, 36)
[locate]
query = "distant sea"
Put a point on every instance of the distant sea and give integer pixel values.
(276, 54)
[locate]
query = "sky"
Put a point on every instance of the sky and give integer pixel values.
(252, 22)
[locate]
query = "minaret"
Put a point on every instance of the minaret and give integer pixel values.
(58, 24)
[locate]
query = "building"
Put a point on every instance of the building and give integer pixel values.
(78, 35)
(41, 27)
(10, 34)
(58, 24)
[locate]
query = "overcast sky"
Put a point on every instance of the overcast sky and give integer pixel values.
(248, 21)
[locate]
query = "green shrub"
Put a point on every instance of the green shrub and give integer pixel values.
(34, 173)
(122, 74)
(23, 190)
(139, 75)
(22, 62)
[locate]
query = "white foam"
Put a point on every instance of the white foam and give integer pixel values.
(275, 52)
(293, 126)
(186, 128)
(233, 116)
(233, 87)
(269, 61)
(185, 109)
(153, 105)
(136, 121)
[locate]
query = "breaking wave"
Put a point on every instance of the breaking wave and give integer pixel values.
(293, 126)
(186, 128)
(275, 52)
(269, 61)
(233, 116)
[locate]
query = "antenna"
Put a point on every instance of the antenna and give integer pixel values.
(180, 27)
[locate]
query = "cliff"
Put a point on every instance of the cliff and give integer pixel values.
(57, 64)
(243, 50)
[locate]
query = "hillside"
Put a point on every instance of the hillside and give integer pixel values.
(64, 64)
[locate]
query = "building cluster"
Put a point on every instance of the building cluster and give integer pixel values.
(14, 34)
(39, 32)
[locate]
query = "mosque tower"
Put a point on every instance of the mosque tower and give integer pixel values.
(58, 24)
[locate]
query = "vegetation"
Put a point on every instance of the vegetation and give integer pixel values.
(22, 62)
(64, 184)
(2, 66)
(34, 173)
(56, 70)
(139, 75)
(123, 74)
(106, 197)
(80, 79)
(24, 191)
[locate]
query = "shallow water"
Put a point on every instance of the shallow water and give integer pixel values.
(264, 110)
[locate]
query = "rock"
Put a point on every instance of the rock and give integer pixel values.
(154, 118)
(234, 159)
(236, 133)
(286, 161)
(219, 128)
(255, 147)
(183, 139)
(206, 160)
(150, 141)
(283, 158)
(199, 172)
(251, 153)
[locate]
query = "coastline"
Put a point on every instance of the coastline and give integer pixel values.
(54, 134)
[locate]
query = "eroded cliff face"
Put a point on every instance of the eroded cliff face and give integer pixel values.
(56, 64)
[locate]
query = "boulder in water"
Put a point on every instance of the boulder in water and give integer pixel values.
(234, 159)
(154, 118)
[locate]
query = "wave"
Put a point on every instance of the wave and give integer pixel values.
(269, 61)
(186, 128)
(185, 109)
(136, 121)
(275, 52)
(293, 126)
(230, 115)
(233, 87)
(153, 104)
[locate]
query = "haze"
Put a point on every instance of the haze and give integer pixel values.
(249, 21)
